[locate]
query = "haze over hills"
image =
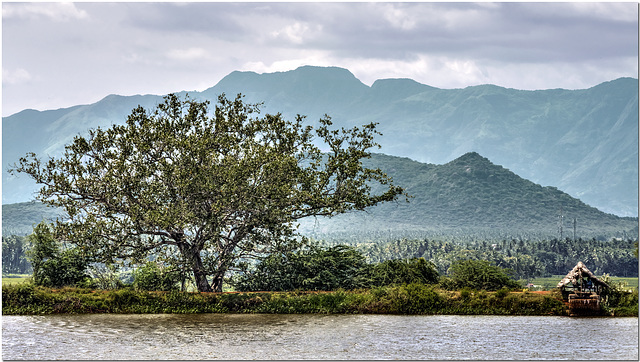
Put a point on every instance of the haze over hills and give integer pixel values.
(469, 196)
(584, 142)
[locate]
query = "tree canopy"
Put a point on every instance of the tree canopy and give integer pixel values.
(212, 189)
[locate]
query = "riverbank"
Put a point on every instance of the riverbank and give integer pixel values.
(26, 299)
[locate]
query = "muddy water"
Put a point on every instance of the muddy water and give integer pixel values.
(223, 336)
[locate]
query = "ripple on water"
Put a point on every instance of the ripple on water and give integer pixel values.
(221, 336)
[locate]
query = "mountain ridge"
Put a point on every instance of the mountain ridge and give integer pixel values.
(581, 141)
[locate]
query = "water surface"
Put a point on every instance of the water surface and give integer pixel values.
(268, 336)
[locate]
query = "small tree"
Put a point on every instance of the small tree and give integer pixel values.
(213, 189)
(52, 265)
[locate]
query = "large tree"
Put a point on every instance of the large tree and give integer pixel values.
(212, 188)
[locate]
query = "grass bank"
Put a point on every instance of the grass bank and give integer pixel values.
(26, 299)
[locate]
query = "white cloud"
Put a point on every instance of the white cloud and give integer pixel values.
(17, 76)
(401, 18)
(296, 33)
(160, 47)
(188, 54)
(317, 58)
(55, 11)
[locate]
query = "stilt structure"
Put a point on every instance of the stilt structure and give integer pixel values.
(582, 289)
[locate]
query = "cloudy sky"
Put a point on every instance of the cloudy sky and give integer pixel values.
(58, 55)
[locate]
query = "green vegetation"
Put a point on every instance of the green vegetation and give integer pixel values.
(526, 259)
(206, 191)
(52, 265)
(477, 274)
(15, 278)
(331, 268)
(402, 299)
(413, 298)
(14, 255)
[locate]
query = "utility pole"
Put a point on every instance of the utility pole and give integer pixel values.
(561, 222)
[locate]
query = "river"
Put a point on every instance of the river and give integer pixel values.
(268, 336)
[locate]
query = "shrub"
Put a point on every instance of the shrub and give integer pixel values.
(53, 267)
(397, 272)
(479, 275)
(501, 293)
(152, 278)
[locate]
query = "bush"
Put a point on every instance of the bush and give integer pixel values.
(341, 266)
(397, 272)
(417, 298)
(478, 275)
(502, 293)
(53, 267)
(152, 278)
(313, 269)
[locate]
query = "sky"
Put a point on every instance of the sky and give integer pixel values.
(56, 55)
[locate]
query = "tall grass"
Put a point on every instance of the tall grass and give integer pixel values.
(404, 299)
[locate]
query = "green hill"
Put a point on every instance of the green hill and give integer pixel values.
(470, 197)
(20, 218)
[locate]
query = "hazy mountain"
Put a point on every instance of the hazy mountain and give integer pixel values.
(467, 196)
(585, 142)
(20, 218)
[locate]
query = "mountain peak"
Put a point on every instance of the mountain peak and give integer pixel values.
(471, 158)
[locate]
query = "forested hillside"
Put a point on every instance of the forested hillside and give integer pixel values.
(469, 198)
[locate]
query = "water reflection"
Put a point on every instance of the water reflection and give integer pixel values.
(265, 336)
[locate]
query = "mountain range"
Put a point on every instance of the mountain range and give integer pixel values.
(467, 197)
(584, 142)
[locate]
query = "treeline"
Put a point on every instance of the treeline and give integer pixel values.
(527, 259)
(14, 255)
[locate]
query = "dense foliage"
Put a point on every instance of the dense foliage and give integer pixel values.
(54, 266)
(527, 259)
(331, 268)
(212, 189)
(477, 275)
(152, 277)
(311, 268)
(401, 299)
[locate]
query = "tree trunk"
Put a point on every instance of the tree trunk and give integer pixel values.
(218, 279)
(200, 275)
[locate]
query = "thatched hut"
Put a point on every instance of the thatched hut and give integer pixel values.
(582, 289)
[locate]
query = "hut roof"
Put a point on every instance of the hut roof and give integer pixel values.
(580, 271)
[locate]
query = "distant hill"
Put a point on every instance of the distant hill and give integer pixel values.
(471, 197)
(468, 197)
(19, 219)
(585, 142)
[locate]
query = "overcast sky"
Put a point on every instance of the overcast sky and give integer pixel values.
(59, 55)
